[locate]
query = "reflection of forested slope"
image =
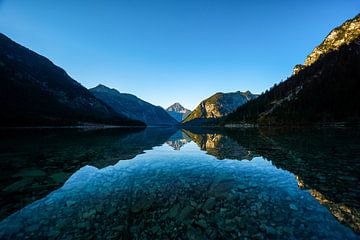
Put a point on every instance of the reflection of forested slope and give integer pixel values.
(325, 161)
(35, 162)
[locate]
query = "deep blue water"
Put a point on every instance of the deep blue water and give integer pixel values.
(180, 184)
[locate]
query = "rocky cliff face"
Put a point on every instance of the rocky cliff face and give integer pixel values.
(132, 106)
(34, 91)
(178, 112)
(345, 34)
(219, 105)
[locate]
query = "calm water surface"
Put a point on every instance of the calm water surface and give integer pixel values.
(166, 183)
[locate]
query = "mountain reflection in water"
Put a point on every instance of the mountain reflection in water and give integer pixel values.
(35, 162)
(178, 140)
(287, 184)
(325, 161)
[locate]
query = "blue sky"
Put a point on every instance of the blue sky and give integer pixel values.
(174, 51)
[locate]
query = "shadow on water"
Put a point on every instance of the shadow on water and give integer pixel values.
(325, 161)
(35, 162)
(269, 184)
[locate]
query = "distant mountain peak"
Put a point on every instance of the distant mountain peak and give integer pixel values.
(132, 106)
(102, 88)
(178, 112)
(177, 107)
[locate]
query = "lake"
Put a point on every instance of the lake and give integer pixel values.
(166, 183)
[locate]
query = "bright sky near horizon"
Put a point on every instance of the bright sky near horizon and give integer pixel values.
(175, 51)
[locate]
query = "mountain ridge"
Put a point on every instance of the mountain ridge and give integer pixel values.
(218, 105)
(325, 91)
(132, 106)
(344, 34)
(36, 92)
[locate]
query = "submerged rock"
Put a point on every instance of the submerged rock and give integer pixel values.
(142, 204)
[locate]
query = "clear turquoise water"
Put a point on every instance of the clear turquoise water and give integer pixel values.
(169, 184)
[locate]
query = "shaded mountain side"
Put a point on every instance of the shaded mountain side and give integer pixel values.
(217, 106)
(176, 115)
(132, 106)
(34, 91)
(35, 162)
(178, 112)
(324, 89)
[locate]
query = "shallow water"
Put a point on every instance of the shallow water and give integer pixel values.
(190, 184)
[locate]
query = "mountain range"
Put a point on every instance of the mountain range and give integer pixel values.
(218, 106)
(323, 90)
(178, 112)
(36, 92)
(133, 107)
